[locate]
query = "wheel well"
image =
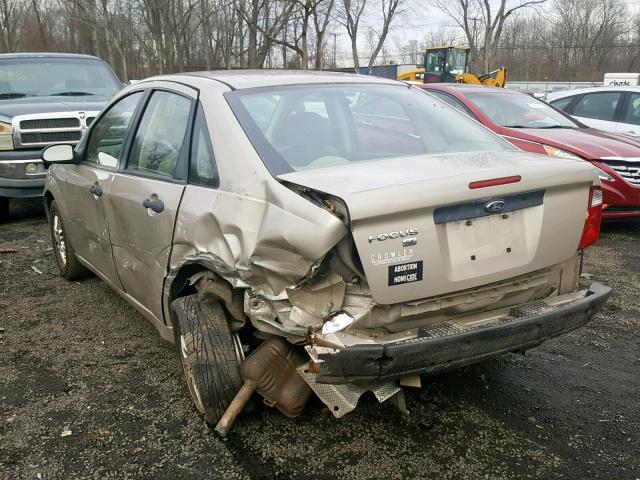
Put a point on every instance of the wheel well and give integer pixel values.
(180, 286)
(230, 298)
(48, 198)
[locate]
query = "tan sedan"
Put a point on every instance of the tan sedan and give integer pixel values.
(302, 232)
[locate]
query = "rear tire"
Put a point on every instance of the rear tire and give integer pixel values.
(209, 353)
(68, 265)
(4, 209)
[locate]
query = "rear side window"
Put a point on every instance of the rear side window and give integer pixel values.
(632, 115)
(161, 132)
(203, 170)
(562, 103)
(600, 106)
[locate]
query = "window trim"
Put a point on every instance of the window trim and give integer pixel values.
(180, 175)
(84, 143)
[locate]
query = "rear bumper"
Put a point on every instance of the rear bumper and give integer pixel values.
(446, 347)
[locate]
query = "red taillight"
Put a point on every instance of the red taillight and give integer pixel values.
(593, 220)
(495, 181)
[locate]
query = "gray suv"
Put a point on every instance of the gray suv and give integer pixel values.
(297, 232)
(45, 98)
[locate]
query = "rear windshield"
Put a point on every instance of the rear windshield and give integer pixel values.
(49, 76)
(519, 111)
(304, 127)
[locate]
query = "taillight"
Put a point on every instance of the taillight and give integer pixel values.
(593, 220)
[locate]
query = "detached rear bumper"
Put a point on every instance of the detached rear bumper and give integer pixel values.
(448, 346)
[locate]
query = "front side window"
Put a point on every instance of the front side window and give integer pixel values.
(514, 110)
(160, 135)
(562, 103)
(321, 126)
(632, 115)
(600, 106)
(107, 135)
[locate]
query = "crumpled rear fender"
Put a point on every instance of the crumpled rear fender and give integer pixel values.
(266, 242)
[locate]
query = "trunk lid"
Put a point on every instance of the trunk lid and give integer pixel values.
(421, 231)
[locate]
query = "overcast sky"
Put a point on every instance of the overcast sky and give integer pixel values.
(416, 22)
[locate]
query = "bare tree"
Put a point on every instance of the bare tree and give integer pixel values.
(482, 24)
(321, 17)
(390, 9)
(350, 16)
(561, 40)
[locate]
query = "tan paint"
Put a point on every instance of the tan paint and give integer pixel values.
(265, 238)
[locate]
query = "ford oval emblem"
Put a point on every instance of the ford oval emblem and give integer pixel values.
(494, 206)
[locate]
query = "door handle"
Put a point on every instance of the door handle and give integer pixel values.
(96, 190)
(156, 205)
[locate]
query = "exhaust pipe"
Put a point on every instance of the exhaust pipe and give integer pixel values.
(271, 371)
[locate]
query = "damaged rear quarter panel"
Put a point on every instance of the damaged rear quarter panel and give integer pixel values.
(252, 230)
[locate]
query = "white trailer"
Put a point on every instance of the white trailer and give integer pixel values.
(621, 79)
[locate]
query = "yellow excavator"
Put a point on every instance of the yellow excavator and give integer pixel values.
(450, 64)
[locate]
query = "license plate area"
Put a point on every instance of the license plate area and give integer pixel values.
(485, 245)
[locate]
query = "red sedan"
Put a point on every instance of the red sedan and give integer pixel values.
(535, 126)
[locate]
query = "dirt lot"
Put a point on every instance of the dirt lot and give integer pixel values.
(89, 390)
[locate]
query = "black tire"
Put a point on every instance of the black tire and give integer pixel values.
(68, 265)
(209, 354)
(4, 209)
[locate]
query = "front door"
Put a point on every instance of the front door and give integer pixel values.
(145, 195)
(88, 184)
(599, 110)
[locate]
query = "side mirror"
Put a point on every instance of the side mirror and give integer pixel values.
(58, 154)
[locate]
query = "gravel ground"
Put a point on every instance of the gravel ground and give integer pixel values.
(89, 390)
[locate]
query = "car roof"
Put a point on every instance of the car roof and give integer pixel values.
(466, 88)
(241, 79)
(579, 91)
(47, 55)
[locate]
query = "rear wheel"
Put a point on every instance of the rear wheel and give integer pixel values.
(4, 209)
(210, 354)
(68, 265)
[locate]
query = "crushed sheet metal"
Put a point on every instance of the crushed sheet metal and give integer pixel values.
(342, 399)
(337, 322)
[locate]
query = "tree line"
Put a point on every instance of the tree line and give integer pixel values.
(143, 37)
(535, 39)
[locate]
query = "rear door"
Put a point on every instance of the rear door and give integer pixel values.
(599, 110)
(146, 192)
(630, 120)
(87, 186)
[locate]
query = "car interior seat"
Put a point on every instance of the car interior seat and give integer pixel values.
(306, 137)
